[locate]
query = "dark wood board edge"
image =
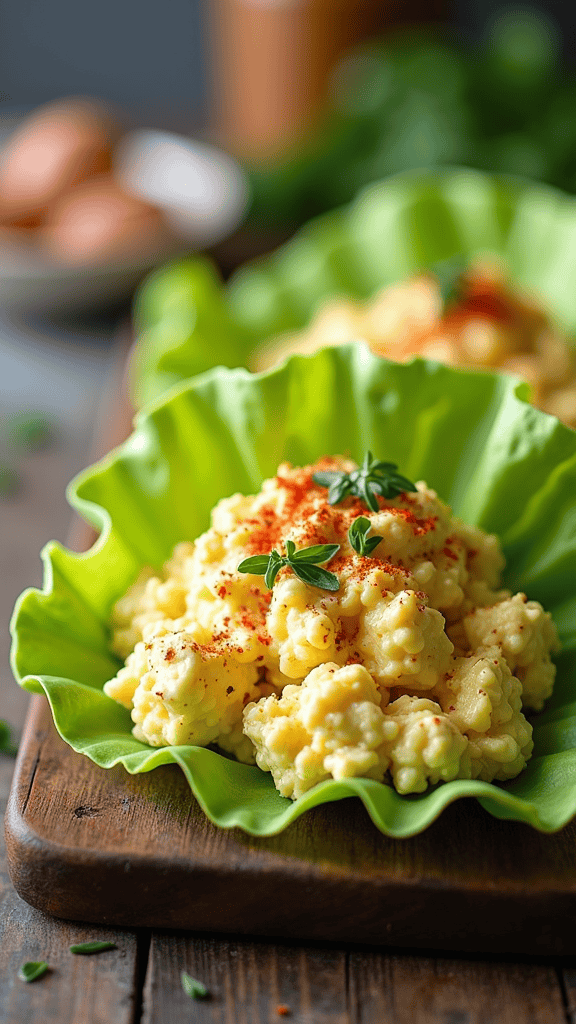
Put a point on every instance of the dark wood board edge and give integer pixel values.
(308, 903)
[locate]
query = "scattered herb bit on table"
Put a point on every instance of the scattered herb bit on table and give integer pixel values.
(193, 988)
(32, 970)
(7, 745)
(9, 481)
(30, 431)
(85, 948)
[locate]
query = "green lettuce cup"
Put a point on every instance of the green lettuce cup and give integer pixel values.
(187, 320)
(500, 463)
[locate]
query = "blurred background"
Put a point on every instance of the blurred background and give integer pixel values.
(159, 66)
(136, 135)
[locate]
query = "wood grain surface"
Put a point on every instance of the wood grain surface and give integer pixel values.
(95, 845)
(249, 979)
(411, 990)
(103, 846)
(77, 989)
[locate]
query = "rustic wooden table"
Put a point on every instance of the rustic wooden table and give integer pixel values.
(249, 981)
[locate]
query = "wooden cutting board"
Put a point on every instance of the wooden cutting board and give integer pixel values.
(106, 847)
(103, 846)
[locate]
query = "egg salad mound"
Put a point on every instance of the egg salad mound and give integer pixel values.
(469, 316)
(415, 667)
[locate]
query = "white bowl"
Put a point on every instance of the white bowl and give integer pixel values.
(202, 192)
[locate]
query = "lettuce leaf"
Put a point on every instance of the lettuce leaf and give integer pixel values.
(187, 321)
(499, 462)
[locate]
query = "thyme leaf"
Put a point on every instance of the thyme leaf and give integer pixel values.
(449, 275)
(372, 478)
(303, 563)
(358, 536)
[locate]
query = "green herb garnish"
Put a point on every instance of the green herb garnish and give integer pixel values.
(304, 565)
(32, 970)
(85, 948)
(358, 536)
(374, 477)
(449, 275)
(193, 988)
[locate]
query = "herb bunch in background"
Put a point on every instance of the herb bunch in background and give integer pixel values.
(504, 105)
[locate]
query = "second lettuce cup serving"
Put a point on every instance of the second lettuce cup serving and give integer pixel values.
(327, 283)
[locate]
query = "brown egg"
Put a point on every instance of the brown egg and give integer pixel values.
(97, 222)
(58, 146)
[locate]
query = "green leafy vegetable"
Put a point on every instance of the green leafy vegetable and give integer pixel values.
(358, 536)
(370, 244)
(499, 463)
(304, 565)
(374, 477)
(193, 988)
(86, 948)
(32, 970)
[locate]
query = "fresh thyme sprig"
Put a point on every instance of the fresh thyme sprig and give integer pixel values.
(358, 536)
(374, 477)
(304, 565)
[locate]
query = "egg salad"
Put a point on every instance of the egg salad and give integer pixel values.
(470, 317)
(342, 622)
